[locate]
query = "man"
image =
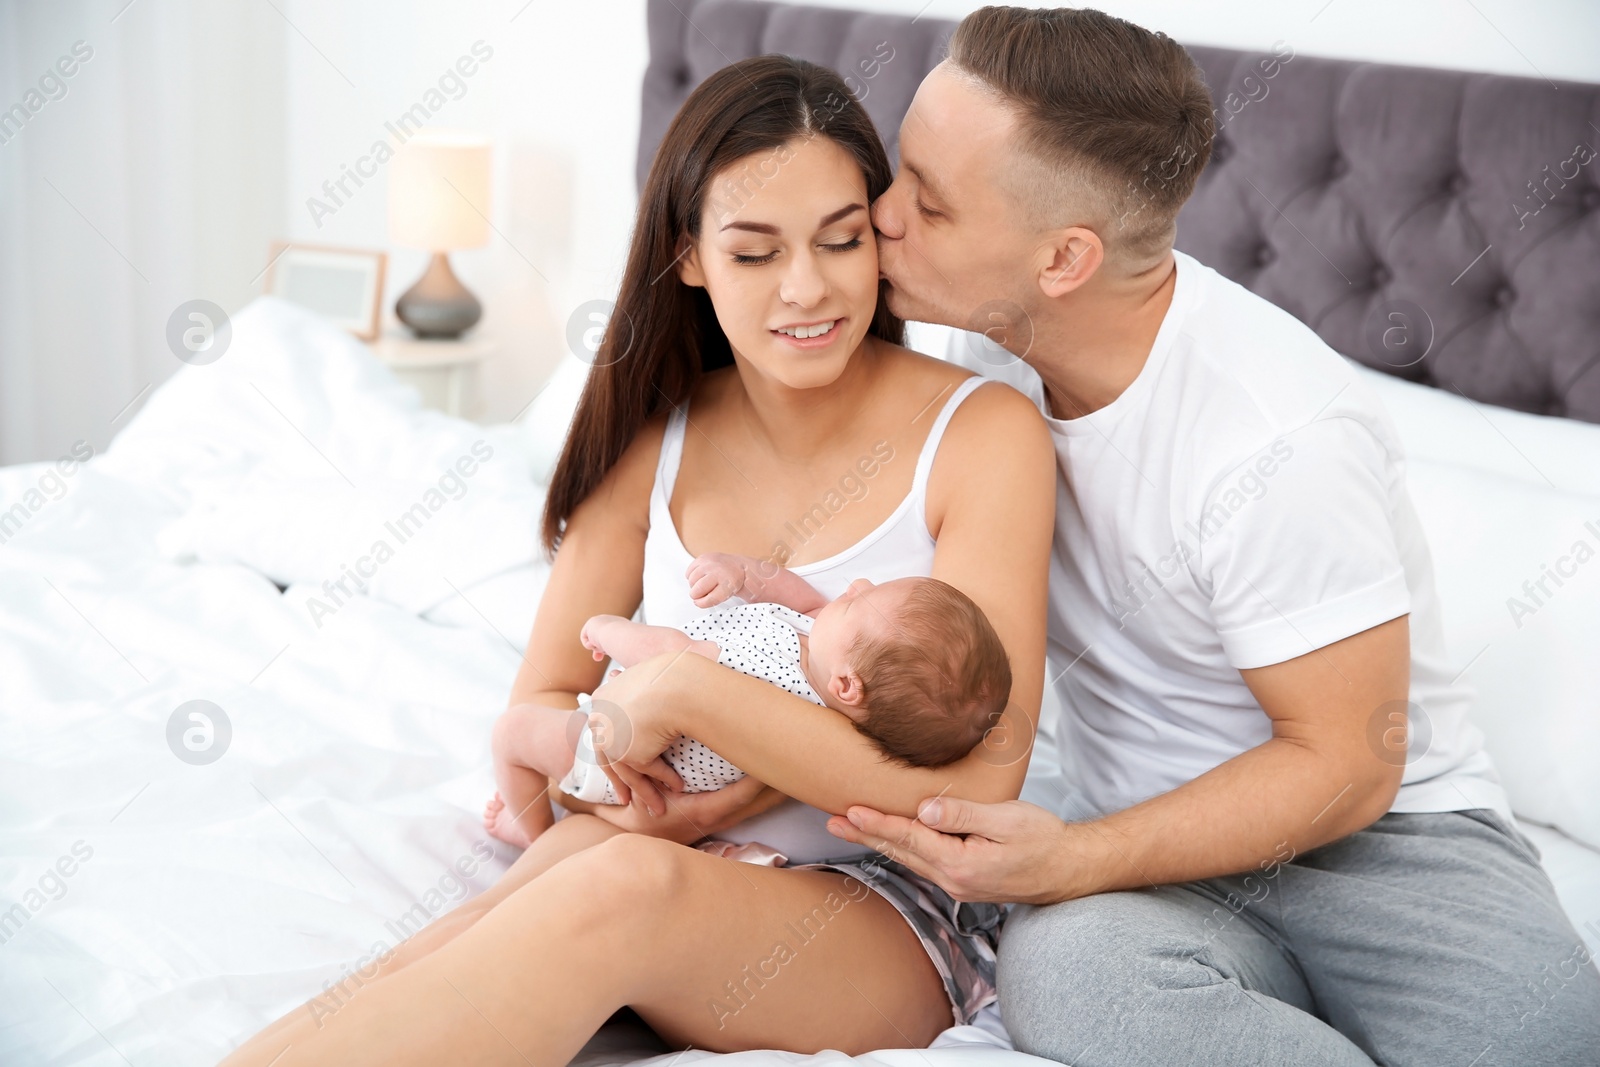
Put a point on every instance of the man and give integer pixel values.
(1257, 868)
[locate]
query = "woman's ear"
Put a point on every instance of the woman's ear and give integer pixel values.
(689, 271)
(1070, 259)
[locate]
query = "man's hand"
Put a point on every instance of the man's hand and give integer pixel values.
(1013, 851)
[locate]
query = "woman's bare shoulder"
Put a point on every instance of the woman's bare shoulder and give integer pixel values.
(643, 453)
(997, 452)
(624, 492)
(991, 405)
(1000, 430)
(997, 433)
(996, 402)
(909, 363)
(644, 450)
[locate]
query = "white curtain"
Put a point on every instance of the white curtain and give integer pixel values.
(150, 175)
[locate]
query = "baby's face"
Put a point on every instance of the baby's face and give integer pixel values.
(862, 608)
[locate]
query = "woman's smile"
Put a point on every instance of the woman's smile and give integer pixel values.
(810, 335)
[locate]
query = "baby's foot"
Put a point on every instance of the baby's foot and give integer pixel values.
(501, 822)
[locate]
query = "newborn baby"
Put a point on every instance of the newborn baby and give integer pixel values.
(913, 663)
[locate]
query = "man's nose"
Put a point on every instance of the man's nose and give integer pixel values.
(885, 219)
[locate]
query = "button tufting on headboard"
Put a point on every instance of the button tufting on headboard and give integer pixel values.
(1347, 193)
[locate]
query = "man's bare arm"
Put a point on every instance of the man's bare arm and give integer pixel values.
(1320, 777)
(1317, 779)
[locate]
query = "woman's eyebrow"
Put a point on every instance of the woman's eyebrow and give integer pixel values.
(771, 230)
(834, 216)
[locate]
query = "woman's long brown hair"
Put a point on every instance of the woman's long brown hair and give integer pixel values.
(663, 334)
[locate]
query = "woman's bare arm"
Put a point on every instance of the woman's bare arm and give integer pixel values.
(599, 569)
(992, 493)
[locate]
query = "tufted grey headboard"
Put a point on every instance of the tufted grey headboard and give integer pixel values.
(1438, 225)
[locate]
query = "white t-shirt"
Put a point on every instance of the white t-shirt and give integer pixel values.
(1242, 503)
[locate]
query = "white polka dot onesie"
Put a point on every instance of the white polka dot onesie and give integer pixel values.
(761, 640)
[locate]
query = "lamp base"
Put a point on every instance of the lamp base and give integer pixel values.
(438, 305)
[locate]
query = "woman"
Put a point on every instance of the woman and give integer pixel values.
(749, 396)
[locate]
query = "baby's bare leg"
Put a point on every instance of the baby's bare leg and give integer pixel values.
(533, 746)
(628, 642)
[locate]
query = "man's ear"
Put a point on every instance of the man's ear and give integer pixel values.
(1071, 259)
(689, 271)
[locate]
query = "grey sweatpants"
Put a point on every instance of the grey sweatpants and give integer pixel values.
(1424, 939)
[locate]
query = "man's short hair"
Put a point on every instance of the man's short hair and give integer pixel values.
(1115, 120)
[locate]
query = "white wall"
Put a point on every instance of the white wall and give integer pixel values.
(154, 178)
(561, 99)
(1532, 38)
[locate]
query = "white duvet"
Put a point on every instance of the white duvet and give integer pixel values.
(156, 909)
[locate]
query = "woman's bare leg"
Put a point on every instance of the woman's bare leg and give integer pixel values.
(567, 837)
(710, 952)
(817, 961)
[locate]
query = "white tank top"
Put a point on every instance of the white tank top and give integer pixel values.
(900, 547)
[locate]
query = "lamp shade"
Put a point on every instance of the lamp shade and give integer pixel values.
(439, 191)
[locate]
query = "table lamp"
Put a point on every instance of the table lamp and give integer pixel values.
(439, 201)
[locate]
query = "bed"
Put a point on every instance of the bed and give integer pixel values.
(169, 884)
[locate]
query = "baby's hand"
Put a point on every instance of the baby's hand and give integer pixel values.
(714, 577)
(591, 634)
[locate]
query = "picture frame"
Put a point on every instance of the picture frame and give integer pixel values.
(344, 285)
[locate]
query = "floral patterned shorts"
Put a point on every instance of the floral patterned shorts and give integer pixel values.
(960, 938)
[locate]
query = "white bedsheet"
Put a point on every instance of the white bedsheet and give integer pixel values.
(203, 901)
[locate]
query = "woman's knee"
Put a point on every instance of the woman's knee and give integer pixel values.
(628, 879)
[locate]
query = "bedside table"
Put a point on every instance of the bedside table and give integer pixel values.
(444, 372)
